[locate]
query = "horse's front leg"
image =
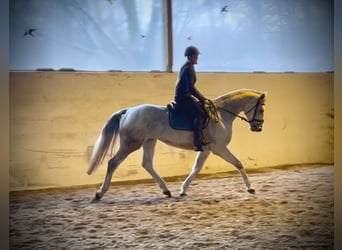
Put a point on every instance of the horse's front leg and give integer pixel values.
(198, 164)
(225, 154)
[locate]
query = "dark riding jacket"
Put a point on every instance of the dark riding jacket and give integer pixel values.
(185, 87)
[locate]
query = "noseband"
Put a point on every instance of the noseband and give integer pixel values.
(255, 107)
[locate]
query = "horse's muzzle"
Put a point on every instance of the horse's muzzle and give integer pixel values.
(256, 128)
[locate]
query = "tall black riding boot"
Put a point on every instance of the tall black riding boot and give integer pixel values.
(199, 140)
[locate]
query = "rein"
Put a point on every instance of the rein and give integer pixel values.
(255, 107)
(239, 116)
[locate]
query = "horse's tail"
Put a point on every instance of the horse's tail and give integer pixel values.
(107, 137)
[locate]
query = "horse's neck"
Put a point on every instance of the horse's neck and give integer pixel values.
(234, 105)
(240, 100)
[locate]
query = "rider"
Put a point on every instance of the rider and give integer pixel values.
(188, 98)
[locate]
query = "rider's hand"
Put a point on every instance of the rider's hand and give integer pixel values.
(206, 101)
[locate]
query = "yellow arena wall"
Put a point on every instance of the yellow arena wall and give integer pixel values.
(55, 118)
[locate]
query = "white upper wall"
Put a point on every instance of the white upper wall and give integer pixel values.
(131, 35)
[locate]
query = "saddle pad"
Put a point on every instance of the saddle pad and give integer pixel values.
(180, 121)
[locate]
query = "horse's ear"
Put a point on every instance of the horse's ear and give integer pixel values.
(262, 96)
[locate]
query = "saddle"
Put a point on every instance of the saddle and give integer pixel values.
(180, 120)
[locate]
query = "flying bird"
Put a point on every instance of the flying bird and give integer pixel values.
(142, 36)
(29, 32)
(224, 8)
(189, 38)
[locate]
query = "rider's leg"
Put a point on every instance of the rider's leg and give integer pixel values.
(199, 121)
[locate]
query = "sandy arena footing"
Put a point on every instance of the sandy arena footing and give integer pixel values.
(292, 209)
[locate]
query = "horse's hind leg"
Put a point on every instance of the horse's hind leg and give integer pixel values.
(149, 147)
(229, 157)
(112, 166)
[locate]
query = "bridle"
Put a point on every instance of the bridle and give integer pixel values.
(254, 119)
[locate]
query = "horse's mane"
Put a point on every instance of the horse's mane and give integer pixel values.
(235, 95)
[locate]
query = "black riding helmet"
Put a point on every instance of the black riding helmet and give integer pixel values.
(191, 50)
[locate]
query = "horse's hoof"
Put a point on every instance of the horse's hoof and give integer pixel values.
(182, 194)
(167, 193)
(251, 191)
(97, 197)
(94, 200)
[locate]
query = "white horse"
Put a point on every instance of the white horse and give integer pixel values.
(143, 125)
